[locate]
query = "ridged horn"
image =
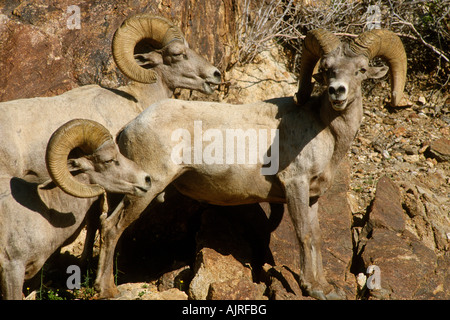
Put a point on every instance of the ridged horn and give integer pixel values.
(144, 26)
(387, 45)
(317, 43)
(88, 135)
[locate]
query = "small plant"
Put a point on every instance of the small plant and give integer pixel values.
(39, 293)
(54, 295)
(116, 273)
(369, 181)
(86, 292)
(141, 293)
(181, 285)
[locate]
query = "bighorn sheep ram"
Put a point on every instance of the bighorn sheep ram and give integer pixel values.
(313, 136)
(35, 220)
(26, 124)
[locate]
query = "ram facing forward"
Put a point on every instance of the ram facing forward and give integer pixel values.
(314, 134)
(148, 49)
(35, 220)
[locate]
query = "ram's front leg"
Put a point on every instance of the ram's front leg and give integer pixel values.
(111, 229)
(304, 215)
(11, 279)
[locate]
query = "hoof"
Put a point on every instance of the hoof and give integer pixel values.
(332, 292)
(106, 293)
(333, 295)
(319, 295)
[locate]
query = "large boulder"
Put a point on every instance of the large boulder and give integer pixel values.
(408, 269)
(231, 245)
(219, 276)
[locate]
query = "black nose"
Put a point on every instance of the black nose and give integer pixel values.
(217, 74)
(340, 90)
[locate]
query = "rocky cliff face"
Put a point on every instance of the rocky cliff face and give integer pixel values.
(48, 47)
(389, 205)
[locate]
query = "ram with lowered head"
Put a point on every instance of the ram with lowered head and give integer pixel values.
(35, 220)
(150, 50)
(311, 136)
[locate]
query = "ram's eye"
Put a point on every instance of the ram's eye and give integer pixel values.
(362, 70)
(112, 161)
(179, 53)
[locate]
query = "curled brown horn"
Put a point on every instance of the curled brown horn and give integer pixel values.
(160, 30)
(317, 43)
(88, 135)
(387, 45)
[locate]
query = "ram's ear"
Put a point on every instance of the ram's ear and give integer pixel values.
(376, 72)
(79, 164)
(149, 60)
(320, 77)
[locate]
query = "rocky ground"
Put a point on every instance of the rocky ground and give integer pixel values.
(406, 152)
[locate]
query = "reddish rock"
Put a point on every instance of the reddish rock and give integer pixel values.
(41, 56)
(407, 266)
(409, 269)
(440, 149)
(213, 267)
(26, 71)
(387, 210)
(236, 289)
(282, 284)
(335, 224)
(178, 279)
(284, 246)
(210, 25)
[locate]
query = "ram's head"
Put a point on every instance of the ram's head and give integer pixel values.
(146, 47)
(343, 66)
(99, 157)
